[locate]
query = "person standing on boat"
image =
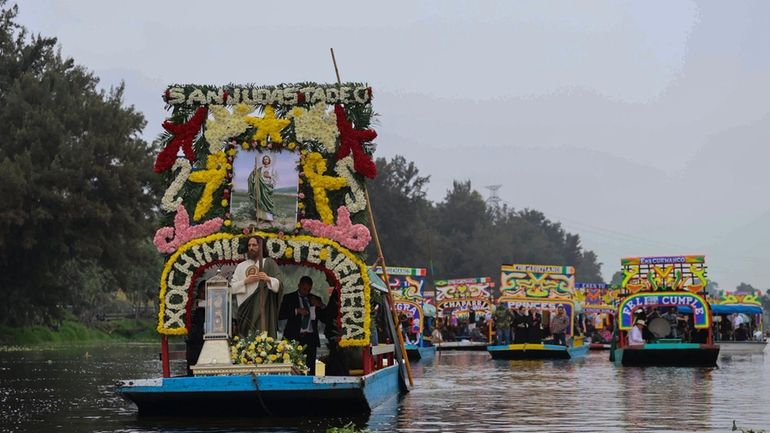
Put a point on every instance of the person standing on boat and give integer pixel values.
(194, 340)
(301, 311)
(471, 320)
(673, 321)
(534, 331)
(635, 336)
(559, 325)
(257, 286)
(520, 325)
(503, 318)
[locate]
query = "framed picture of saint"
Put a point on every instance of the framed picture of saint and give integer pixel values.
(265, 190)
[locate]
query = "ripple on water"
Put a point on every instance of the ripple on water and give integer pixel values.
(455, 392)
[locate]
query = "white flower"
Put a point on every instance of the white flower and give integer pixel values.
(168, 203)
(316, 124)
(355, 200)
(225, 125)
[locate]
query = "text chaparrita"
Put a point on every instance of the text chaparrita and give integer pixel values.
(348, 93)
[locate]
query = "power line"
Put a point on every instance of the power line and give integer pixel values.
(494, 199)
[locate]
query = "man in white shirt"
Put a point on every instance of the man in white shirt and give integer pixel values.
(635, 336)
(257, 288)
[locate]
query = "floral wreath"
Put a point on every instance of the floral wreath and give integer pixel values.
(326, 126)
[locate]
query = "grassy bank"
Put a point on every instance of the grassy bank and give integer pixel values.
(74, 331)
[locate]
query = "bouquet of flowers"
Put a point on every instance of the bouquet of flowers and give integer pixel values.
(261, 350)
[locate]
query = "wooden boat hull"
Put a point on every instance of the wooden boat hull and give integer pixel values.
(668, 355)
(742, 347)
(260, 395)
(599, 346)
(416, 353)
(536, 351)
(461, 345)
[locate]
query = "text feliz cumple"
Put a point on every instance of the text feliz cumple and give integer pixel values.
(289, 95)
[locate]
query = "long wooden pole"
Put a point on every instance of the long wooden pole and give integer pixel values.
(381, 258)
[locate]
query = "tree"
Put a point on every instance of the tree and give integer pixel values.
(400, 212)
(745, 289)
(78, 196)
(461, 236)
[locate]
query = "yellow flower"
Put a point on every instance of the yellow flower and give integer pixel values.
(228, 222)
(270, 339)
(286, 357)
(292, 146)
(258, 360)
(324, 254)
(299, 348)
(245, 146)
(224, 203)
(212, 177)
(272, 358)
(231, 152)
(315, 169)
(267, 126)
(289, 252)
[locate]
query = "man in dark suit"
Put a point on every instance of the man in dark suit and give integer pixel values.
(301, 310)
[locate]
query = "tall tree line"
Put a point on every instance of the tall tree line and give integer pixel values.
(462, 236)
(77, 191)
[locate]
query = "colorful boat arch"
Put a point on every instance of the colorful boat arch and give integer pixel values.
(699, 306)
(464, 294)
(413, 310)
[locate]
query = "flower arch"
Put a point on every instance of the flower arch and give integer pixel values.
(342, 268)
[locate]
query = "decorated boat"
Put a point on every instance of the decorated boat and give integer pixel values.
(599, 307)
(738, 323)
(457, 301)
(546, 289)
(278, 165)
(665, 299)
(408, 288)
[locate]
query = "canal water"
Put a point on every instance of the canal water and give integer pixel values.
(72, 390)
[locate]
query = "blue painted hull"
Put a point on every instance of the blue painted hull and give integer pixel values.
(537, 351)
(255, 395)
(416, 353)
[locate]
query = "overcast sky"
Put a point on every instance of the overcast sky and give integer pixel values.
(642, 126)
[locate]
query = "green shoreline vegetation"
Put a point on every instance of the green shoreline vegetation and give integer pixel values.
(71, 331)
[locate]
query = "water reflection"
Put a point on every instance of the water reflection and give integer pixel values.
(72, 390)
(655, 399)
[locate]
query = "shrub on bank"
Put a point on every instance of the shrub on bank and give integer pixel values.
(73, 331)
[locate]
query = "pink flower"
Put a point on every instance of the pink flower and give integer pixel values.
(356, 237)
(169, 239)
